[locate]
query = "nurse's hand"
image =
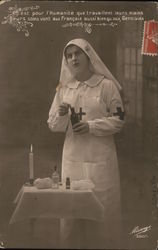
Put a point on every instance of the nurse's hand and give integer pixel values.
(81, 128)
(63, 109)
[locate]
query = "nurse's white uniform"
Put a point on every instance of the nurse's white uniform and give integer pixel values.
(91, 156)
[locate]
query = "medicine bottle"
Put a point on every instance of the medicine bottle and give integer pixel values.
(55, 178)
(67, 183)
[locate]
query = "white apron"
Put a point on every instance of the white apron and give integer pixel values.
(91, 156)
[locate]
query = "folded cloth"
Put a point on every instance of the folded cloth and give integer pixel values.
(82, 184)
(43, 183)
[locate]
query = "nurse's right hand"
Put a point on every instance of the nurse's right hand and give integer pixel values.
(63, 109)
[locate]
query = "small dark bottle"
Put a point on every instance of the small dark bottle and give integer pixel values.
(74, 116)
(67, 183)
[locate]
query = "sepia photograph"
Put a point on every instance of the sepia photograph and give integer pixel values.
(79, 125)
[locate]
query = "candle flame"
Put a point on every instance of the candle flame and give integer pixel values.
(31, 149)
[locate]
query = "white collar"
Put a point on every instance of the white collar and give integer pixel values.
(93, 81)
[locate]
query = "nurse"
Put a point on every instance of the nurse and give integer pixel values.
(89, 149)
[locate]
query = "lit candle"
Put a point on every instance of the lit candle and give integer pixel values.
(31, 162)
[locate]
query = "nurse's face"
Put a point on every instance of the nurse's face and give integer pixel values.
(78, 62)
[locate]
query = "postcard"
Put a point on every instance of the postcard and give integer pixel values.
(79, 104)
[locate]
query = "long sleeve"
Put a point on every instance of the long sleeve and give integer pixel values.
(114, 122)
(56, 122)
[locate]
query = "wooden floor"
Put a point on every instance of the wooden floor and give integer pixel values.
(137, 187)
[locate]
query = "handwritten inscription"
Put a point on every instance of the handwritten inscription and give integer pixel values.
(22, 18)
(141, 232)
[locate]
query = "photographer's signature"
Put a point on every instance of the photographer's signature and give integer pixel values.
(141, 232)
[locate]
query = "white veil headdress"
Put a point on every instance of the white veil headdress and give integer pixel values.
(97, 64)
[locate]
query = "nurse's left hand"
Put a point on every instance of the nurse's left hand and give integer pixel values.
(81, 128)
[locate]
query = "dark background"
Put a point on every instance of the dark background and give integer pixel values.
(29, 73)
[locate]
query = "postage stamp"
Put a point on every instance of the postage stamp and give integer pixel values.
(150, 38)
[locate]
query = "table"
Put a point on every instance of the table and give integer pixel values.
(56, 203)
(34, 205)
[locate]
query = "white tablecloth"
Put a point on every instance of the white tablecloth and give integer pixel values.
(57, 203)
